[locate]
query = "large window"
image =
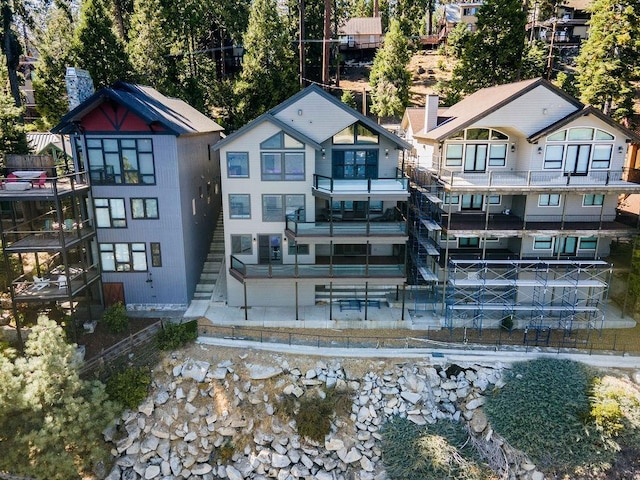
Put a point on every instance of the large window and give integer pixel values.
(542, 243)
(471, 202)
(355, 163)
(298, 248)
(237, 164)
(121, 161)
(276, 207)
(282, 165)
(110, 212)
(239, 205)
(285, 164)
(356, 134)
(123, 257)
(478, 147)
(588, 243)
(241, 244)
(579, 150)
(144, 208)
(468, 242)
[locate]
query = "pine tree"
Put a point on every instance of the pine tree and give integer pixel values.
(97, 48)
(55, 52)
(389, 78)
(493, 54)
(13, 137)
(269, 71)
(609, 60)
(150, 44)
(50, 420)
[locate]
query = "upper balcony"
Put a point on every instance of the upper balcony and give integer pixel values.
(392, 231)
(500, 224)
(540, 180)
(32, 185)
(395, 188)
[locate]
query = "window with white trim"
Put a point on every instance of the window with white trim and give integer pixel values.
(578, 150)
(241, 244)
(479, 147)
(549, 200)
(592, 200)
(276, 207)
(542, 243)
(588, 243)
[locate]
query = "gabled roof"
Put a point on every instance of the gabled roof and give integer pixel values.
(588, 110)
(362, 26)
(267, 117)
(486, 101)
(413, 116)
(40, 141)
(290, 129)
(176, 116)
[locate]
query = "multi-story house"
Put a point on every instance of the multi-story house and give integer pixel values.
(518, 207)
(48, 240)
(311, 195)
(155, 192)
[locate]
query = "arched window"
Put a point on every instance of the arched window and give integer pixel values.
(578, 150)
(476, 148)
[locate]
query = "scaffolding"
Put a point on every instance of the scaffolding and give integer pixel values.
(540, 294)
(424, 229)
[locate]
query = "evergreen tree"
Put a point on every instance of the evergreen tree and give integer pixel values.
(13, 137)
(150, 45)
(534, 60)
(97, 48)
(609, 60)
(389, 78)
(348, 98)
(493, 54)
(269, 72)
(50, 420)
(55, 51)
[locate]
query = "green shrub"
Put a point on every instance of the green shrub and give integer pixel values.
(439, 451)
(224, 453)
(544, 410)
(176, 335)
(507, 323)
(313, 413)
(130, 386)
(115, 317)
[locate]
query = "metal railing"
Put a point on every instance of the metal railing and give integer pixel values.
(580, 341)
(348, 228)
(315, 271)
(535, 178)
(398, 184)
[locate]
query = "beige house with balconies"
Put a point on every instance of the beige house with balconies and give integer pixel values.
(518, 207)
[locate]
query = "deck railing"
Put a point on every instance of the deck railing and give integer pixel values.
(536, 178)
(244, 270)
(348, 228)
(397, 184)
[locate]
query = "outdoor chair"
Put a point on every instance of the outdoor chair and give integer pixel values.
(39, 283)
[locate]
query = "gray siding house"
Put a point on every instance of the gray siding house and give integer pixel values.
(155, 191)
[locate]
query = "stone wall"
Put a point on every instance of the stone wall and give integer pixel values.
(198, 409)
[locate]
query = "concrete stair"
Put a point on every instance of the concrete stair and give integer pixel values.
(213, 265)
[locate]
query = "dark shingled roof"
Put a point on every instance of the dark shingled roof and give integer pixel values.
(173, 114)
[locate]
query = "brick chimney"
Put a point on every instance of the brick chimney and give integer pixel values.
(431, 113)
(79, 86)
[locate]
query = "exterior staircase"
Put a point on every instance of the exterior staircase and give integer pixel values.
(213, 265)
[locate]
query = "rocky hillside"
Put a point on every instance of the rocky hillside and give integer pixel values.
(217, 413)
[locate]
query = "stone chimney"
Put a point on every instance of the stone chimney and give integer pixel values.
(431, 113)
(79, 86)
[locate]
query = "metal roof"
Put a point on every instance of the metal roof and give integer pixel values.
(175, 115)
(40, 141)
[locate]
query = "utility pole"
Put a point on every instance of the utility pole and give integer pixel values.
(326, 42)
(301, 42)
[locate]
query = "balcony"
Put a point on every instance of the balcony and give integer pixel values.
(528, 180)
(392, 272)
(470, 222)
(346, 229)
(381, 188)
(45, 234)
(56, 284)
(29, 185)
